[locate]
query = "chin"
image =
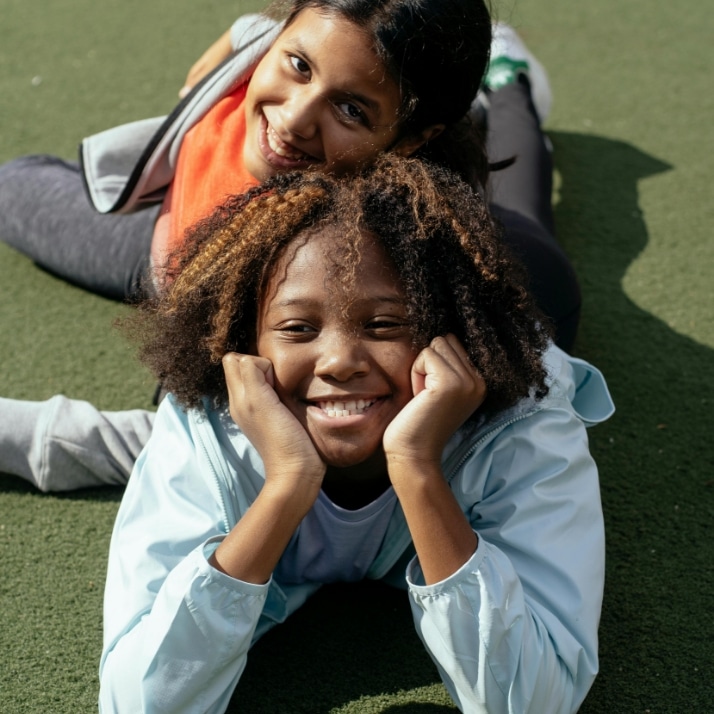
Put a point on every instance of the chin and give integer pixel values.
(342, 461)
(348, 459)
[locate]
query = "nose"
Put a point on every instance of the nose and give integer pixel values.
(342, 357)
(300, 113)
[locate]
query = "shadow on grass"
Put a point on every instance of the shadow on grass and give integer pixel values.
(349, 641)
(107, 494)
(656, 456)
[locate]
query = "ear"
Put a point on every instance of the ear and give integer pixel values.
(409, 144)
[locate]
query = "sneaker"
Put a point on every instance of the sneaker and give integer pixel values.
(510, 58)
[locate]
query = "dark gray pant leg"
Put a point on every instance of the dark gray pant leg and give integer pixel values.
(45, 213)
(64, 444)
(521, 197)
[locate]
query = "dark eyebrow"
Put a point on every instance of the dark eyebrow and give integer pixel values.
(368, 103)
(299, 301)
(391, 299)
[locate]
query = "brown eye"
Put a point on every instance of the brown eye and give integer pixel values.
(351, 111)
(386, 326)
(300, 65)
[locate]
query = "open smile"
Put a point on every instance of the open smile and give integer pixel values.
(281, 148)
(347, 408)
(278, 152)
(344, 408)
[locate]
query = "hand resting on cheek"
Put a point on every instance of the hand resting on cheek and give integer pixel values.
(291, 461)
(447, 390)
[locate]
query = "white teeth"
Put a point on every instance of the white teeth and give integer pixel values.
(275, 145)
(350, 408)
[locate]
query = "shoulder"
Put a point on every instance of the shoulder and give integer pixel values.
(573, 385)
(535, 436)
(254, 28)
(207, 428)
(579, 383)
(202, 451)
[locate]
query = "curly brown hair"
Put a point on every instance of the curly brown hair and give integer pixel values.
(453, 268)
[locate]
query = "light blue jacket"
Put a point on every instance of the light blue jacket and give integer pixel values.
(514, 630)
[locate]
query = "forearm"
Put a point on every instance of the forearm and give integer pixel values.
(515, 629)
(254, 546)
(443, 538)
(493, 650)
(198, 632)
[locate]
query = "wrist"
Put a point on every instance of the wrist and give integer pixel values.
(291, 491)
(257, 541)
(412, 469)
(424, 455)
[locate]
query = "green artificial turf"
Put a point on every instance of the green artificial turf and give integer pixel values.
(632, 137)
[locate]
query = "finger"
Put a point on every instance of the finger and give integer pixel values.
(237, 361)
(465, 363)
(248, 371)
(429, 370)
(418, 374)
(429, 367)
(455, 355)
(455, 359)
(451, 349)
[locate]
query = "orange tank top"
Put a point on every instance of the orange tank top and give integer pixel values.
(208, 170)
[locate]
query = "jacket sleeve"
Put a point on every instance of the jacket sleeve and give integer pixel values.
(176, 631)
(128, 167)
(250, 26)
(515, 629)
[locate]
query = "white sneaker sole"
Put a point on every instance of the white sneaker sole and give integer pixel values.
(508, 43)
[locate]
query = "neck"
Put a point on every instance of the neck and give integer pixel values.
(356, 486)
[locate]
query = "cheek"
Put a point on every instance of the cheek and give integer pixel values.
(371, 149)
(262, 81)
(289, 370)
(350, 153)
(398, 364)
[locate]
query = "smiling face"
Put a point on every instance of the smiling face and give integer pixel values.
(342, 362)
(320, 97)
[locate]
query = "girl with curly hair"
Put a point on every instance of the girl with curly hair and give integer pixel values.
(329, 87)
(361, 387)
